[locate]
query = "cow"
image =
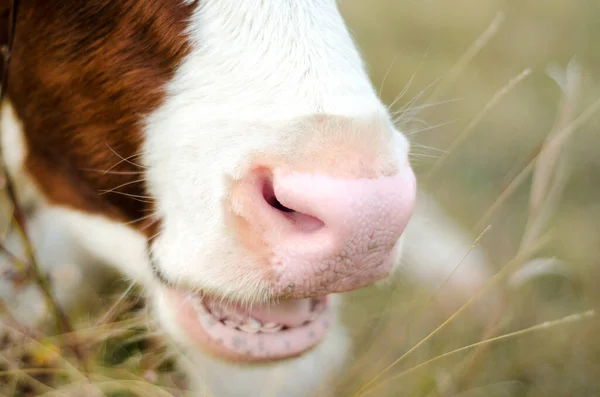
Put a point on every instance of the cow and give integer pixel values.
(232, 158)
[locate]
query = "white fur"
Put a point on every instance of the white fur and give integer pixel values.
(254, 67)
(14, 152)
(64, 236)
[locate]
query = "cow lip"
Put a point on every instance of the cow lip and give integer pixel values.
(227, 333)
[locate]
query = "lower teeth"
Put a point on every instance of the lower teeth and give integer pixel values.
(275, 328)
(249, 325)
(230, 324)
(248, 329)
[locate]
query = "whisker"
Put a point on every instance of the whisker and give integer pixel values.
(388, 72)
(423, 156)
(431, 127)
(429, 105)
(409, 115)
(123, 159)
(426, 147)
(404, 90)
(139, 219)
(113, 172)
(405, 122)
(154, 236)
(150, 224)
(122, 185)
(406, 108)
(407, 86)
(143, 199)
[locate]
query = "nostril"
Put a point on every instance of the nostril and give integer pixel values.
(269, 195)
(302, 222)
(280, 207)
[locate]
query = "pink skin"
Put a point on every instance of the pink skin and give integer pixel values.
(341, 233)
(314, 235)
(236, 345)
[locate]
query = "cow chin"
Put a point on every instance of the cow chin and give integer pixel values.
(207, 364)
(233, 333)
(238, 326)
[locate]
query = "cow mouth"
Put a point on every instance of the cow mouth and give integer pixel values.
(260, 333)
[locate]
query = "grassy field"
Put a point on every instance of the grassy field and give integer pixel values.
(479, 104)
(491, 62)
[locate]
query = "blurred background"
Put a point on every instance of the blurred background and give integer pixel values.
(484, 79)
(490, 93)
(427, 37)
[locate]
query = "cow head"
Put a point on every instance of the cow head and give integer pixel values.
(243, 139)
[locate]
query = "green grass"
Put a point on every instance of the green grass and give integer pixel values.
(422, 41)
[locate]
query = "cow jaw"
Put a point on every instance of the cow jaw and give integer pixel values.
(273, 331)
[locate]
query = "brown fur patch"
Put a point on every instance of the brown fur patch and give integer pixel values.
(83, 74)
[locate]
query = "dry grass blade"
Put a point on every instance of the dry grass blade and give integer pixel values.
(545, 325)
(517, 260)
(72, 369)
(110, 313)
(32, 371)
(21, 373)
(416, 309)
(506, 193)
(99, 387)
(62, 320)
(549, 177)
(522, 176)
(545, 188)
(460, 65)
(477, 119)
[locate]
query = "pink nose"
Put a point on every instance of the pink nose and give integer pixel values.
(325, 234)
